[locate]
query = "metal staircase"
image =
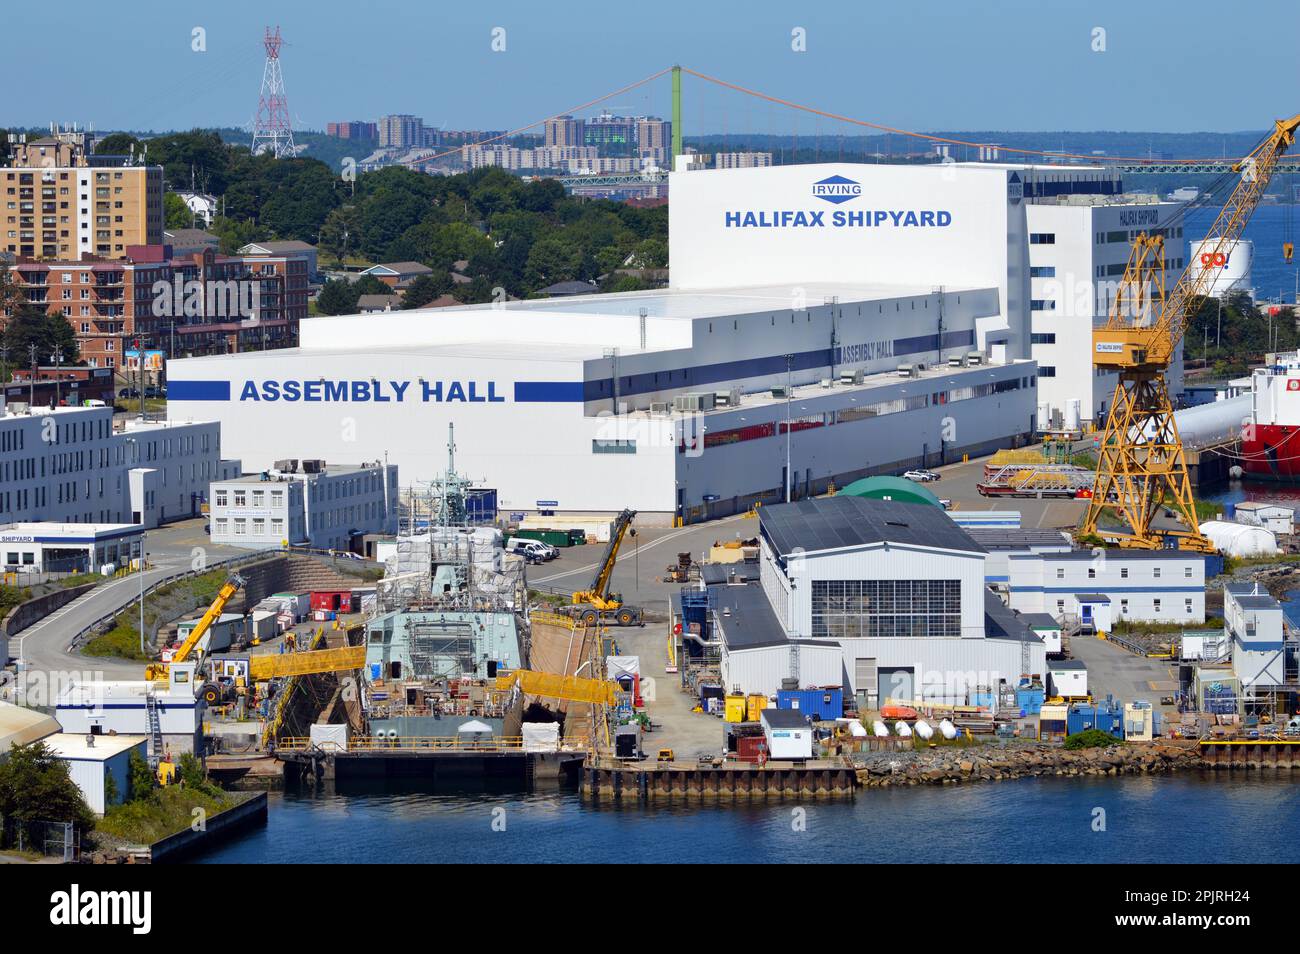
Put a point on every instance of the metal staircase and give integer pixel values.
(155, 728)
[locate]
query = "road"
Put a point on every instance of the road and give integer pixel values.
(173, 550)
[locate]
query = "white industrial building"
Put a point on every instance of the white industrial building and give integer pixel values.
(93, 759)
(1255, 626)
(98, 707)
(313, 504)
(886, 312)
(1079, 245)
(1156, 586)
(68, 547)
(885, 599)
(73, 465)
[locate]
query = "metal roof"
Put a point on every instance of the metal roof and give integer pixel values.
(836, 523)
(1002, 622)
(1257, 602)
(1092, 597)
(1040, 620)
(745, 617)
(1008, 538)
(1063, 664)
(785, 718)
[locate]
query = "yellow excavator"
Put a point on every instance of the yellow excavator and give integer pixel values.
(596, 603)
(1141, 465)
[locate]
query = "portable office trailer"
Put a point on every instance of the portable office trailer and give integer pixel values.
(788, 734)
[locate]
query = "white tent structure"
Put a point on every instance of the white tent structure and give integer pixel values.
(1239, 539)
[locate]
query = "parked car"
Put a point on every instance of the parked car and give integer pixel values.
(534, 551)
(152, 392)
(128, 393)
(921, 475)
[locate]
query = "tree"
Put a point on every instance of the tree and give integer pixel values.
(551, 260)
(337, 297)
(340, 234)
(140, 778)
(117, 144)
(176, 214)
(425, 289)
(35, 786)
(32, 325)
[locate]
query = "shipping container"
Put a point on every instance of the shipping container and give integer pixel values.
(1052, 722)
(735, 710)
(339, 601)
(822, 705)
(752, 748)
(756, 703)
(554, 538)
(1030, 699)
(1105, 716)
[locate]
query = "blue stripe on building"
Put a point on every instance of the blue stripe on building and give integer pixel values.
(198, 390)
(557, 392)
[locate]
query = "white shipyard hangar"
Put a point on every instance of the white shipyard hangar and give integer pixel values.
(895, 300)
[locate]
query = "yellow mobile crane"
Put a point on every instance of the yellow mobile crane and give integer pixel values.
(596, 602)
(158, 672)
(1141, 465)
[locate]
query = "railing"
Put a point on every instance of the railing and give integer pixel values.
(434, 743)
(553, 619)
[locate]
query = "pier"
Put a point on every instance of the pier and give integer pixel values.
(819, 779)
(1281, 755)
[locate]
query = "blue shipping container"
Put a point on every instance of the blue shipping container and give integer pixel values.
(481, 506)
(1108, 717)
(824, 705)
(1030, 699)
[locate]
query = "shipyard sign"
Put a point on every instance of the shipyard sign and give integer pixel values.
(372, 391)
(837, 190)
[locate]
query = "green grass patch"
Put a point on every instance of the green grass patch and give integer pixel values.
(1090, 739)
(1126, 627)
(122, 639)
(939, 742)
(1232, 564)
(163, 812)
(11, 596)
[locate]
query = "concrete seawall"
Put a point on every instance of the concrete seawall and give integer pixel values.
(220, 827)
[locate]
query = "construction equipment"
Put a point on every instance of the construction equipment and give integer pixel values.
(1036, 480)
(158, 672)
(596, 603)
(1141, 465)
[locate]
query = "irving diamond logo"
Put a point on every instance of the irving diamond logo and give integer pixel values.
(836, 189)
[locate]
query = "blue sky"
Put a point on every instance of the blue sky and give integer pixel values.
(1017, 64)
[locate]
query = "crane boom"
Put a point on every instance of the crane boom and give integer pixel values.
(157, 671)
(598, 593)
(1141, 463)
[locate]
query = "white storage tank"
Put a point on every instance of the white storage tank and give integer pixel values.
(1073, 412)
(1231, 264)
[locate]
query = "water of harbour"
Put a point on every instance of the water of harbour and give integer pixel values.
(1193, 817)
(1272, 278)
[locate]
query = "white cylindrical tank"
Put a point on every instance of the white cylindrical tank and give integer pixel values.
(1073, 411)
(948, 729)
(922, 728)
(1239, 539)
(1218, 420)
(903, 729)
(879, 729)
(1044, 416)
(1230, 265)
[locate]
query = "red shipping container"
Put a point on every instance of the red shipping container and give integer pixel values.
(751, 748)
(338, 600)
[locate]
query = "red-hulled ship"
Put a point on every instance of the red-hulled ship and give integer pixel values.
(1270, 446)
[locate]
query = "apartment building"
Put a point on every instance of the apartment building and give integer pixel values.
(73, 465)
(193, 304)
(354, 129)
(321, 506)
(564, 131)
(65, 211)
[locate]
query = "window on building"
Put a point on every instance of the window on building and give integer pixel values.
(221, 498)
(844, 609)
(1187, 572)
(241, 498)
(1042, 271)
(599, 446)
(1155, 572)
(1187, 605)
(1042, 304)
(1042, 238)
(259, 498)
(1123, 573)
(1060, 572)
(221, 525)
(1123, 607)
(240, 527)
(1155, 605)
(1092, 573)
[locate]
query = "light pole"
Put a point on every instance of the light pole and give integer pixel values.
(789, 396)
(143, 558)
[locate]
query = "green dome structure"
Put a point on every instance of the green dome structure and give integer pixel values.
(898, 489)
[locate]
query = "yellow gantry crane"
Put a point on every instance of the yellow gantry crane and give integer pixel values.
(1141, 465)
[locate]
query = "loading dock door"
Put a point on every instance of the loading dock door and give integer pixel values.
(897, 682)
